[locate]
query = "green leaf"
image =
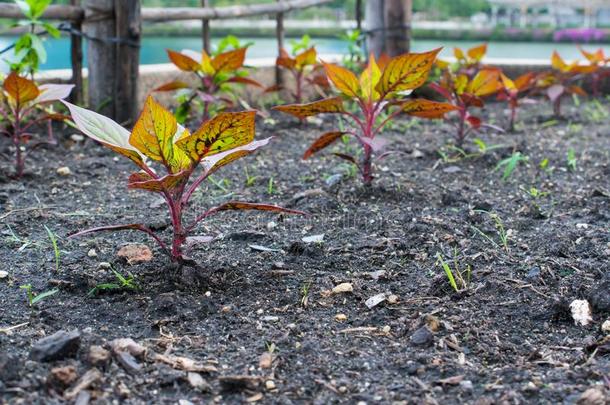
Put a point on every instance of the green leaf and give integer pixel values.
(25, 8)
(37, 7)
(43, 295)
(38, 47)
(52, 30)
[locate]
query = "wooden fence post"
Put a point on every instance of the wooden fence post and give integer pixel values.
(279, 32)
(76, 56)
(205, 29)
(129, 31)
(388, 25)
(113, 28)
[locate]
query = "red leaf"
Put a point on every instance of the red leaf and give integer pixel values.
(475, 122)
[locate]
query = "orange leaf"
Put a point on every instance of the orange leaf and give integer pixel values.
(383, 61)
(343, 79)
(485, 82)
(558, 63)
(285, 60)
(306, 58)
(322, 142)
(577, 90)
(406, 72)
(329, 105)
(427, 109)
(229, 61)
(183, 62)
(171, 86)
(20, 89)
(477, 53)
(524, 81)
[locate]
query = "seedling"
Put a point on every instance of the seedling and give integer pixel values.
(57, 253)
(459, 279)
(215, 77)
(599, 60)
(513, 91)
(510, 164)
(463, 94)
(572, 160)
(379, 88)
(250, 180)
(21, 108)
(503, 234)
(305, 293)
(29, 48)
(354, 56)
(560, 81)
(123, 283)
(535, 197)
(34, 298)
(158, 137)
(596, 112)
(305, 71)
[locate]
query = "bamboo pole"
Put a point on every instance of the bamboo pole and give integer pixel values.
(279, 33)
(53, 12)
(219, 13)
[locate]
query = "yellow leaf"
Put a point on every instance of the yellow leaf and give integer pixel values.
(345, 81)
(329, 105)
(369, 79)
(306, 58)
(406, 72)
(558, 63)
(229, 61)
(485, 82)
(460, 84)
(206, 64)
(508, 83)
(183, 62)
(154, 133)
(20, 89)
(459, 54)
(225, 131)
(427, 109)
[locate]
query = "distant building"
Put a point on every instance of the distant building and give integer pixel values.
(554, 13)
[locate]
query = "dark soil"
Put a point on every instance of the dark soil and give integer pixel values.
(507, 337)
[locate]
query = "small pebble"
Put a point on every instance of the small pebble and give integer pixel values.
(104, 265)
(92, 253)
(270, 385)
(605, 325)
(64, 171)
(341, 317)
(77, 137)
(3, 274)
(392, 299)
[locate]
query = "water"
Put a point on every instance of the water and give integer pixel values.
(153, 49)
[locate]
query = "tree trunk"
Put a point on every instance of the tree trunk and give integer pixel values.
(388, 26)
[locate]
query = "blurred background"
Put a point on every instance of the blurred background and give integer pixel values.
(518, 29)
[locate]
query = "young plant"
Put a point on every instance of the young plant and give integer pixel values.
(467, 63)
(510, 164)
(464, 93)
(559, 82)
(355, 56)
(34, 298)
(56, 251)
(458, 279)
(571, 160)
(305, 71)
(512, 92)
(29, 47)
(21, 108)
(379, 94)
(215, 77)
(599, 60)
(158, 137)
(123, 283)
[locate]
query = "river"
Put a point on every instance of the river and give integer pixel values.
(153, 49)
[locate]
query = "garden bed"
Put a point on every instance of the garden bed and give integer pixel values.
(506, 338)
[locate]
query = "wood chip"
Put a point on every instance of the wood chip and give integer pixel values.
(184, 363)
(87, 380)
(343, 288)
